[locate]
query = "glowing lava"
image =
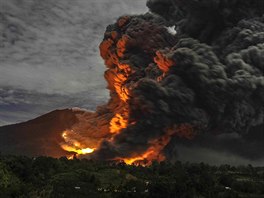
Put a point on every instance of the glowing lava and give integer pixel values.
(73, 145)
(154, 152)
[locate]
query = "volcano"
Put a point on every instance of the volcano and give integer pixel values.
(40, 136)
(186, 72)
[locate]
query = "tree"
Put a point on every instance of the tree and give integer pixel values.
(9, 184)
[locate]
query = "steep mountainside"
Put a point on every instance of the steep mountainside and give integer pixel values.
(40, 136)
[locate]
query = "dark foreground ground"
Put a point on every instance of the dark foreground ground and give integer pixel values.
(49, 177)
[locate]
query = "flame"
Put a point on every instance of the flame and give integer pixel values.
(145, 158)
(76, 150)
(72, 145)
(119, 122)
(154, 152)
(87, 150)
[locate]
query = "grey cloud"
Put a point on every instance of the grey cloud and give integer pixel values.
(49, 54)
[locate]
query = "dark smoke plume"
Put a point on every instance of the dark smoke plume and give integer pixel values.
(206, 77)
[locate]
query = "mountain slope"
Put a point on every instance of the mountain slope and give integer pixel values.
(40, 136)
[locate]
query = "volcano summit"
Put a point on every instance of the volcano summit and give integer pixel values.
(186, 70)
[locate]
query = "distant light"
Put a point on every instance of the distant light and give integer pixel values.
(77, 187)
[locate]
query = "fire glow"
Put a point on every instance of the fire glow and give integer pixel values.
(72, 145)
(117, 122)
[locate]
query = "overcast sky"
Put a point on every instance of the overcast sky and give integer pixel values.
(49, 55)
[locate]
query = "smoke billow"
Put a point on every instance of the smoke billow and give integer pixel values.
(207, 78)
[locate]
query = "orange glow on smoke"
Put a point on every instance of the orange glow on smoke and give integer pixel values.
(154, 152)
(118, 123)
(122, 72)
(119, 88)
(164, 63)
(121, 45)
(122, 77)
(122, 21)
(146, 158)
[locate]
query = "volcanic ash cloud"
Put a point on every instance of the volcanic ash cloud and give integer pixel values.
(206, 76)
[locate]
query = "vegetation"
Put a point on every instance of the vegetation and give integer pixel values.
(22, 176)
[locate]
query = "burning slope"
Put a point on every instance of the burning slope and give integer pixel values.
(74, 146)
(207, 77)
(40, 136)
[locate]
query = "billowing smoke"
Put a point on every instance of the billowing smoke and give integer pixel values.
(184, 69)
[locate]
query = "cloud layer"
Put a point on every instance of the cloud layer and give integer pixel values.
(51, 48)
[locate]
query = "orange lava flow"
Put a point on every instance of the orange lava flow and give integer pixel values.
(154, 152)
(73, 145)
